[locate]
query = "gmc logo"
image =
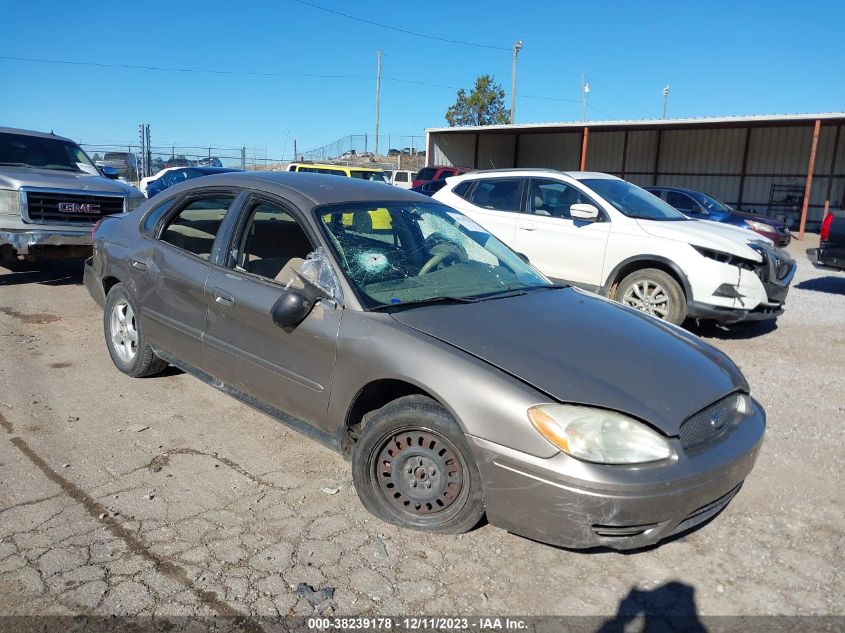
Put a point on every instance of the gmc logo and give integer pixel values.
(75, 207)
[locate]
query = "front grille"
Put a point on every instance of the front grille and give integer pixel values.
(70, 208)
(776, 267)
(711, 423)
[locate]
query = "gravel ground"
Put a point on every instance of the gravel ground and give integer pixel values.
(166, 497)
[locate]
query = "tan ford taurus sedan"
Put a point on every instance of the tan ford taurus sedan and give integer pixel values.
(458, 380)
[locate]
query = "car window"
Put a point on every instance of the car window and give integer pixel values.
(462, 189)
(194, 228)
(680, 201)
(404, 252)
(501, 194)
(155, 215)
(272, 243)
(401, 176)
(553, 198)
(633, 201)
(426, 173)
(175, 176)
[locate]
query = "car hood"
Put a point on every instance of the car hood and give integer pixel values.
(707, 234)
(583, 349)
(744, 215)
(17, 177)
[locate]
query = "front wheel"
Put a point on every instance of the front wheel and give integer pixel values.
(412, 467)
(125, 341)
(654, 292)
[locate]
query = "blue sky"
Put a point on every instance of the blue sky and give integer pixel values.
(720, 58)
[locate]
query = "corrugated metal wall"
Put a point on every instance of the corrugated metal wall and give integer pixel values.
(708, 159)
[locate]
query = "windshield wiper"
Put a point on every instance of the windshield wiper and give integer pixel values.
(419, 302)
(15, 164)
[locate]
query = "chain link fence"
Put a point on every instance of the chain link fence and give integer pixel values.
(394, 152)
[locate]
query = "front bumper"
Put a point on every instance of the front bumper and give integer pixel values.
(727, 316)
(573, 504)
(25, 242)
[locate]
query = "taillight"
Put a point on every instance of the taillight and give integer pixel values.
(825, 233)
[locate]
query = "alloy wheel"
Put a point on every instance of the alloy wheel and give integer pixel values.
(647, 296)
(124, 331)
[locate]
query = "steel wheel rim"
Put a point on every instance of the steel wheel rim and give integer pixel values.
(419, 473)
(124, 331)
(648, 296)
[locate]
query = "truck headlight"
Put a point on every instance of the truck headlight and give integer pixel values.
(133, 203)
(10, 202)
(597, 435)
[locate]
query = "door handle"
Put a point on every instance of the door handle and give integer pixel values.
(528, 226)
(137, 265)
(223, 298)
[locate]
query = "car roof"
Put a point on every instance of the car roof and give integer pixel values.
(338, 167)
(14, 130)
(306, 188)
(533, 171)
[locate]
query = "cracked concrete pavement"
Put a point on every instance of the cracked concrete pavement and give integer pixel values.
(216, 510)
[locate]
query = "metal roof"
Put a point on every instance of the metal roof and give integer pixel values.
(756, 119)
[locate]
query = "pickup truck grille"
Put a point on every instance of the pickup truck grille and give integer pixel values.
(50, 207)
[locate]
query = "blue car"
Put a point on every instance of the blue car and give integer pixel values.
(174, 175)
(700, 206)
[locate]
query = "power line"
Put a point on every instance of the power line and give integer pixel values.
(174, 69)
(398, 30)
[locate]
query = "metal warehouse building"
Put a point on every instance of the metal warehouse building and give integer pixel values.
(778, 165)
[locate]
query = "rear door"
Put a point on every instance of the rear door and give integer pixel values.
(561, 247)
(171, 271)
(494, 203)
(288, 369)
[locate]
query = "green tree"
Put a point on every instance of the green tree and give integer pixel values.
(485, 105)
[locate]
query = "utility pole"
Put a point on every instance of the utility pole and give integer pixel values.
(295, 158)
(378, 97)
(585, 88)
(665, 100)
(517, 46)
(142, 135)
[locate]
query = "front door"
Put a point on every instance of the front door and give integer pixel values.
(561, 247)
(173, 306)
(288, 369)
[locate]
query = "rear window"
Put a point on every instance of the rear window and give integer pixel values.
(462, 189)
(426, 173)
(401, 176)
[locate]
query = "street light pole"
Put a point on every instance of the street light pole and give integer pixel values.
(378, 98)
(665, 100)
(517, 46)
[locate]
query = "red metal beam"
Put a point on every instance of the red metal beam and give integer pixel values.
(743, 168)
(584, 135)
(809, 187)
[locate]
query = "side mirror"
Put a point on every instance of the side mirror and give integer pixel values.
(294, 305)
(523, 257)
(581, 211)
(110, 172)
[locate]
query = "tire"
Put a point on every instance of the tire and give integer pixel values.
(654, 292)
(125, 341)
(443, 491)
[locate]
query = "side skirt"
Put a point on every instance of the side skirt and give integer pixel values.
(296, 424)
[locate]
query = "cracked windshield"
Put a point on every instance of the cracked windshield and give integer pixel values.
(411, 253)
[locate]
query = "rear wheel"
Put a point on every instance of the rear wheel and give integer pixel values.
(412, 467)
(654, 292)
(125, 341)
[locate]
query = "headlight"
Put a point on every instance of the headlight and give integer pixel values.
(133, 203)
(10, 202)
(596, 435)
(760, 226)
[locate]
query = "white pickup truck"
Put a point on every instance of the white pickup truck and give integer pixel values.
(51, 194)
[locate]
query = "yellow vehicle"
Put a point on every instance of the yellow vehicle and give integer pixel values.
(364, 173)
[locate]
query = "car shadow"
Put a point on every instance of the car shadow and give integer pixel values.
(48, 273)
(669, 607)
(734, 331)
(830, 284)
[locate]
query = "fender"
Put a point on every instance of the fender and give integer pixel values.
(605, 289)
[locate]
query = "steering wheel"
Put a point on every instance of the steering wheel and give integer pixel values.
(441, 253)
